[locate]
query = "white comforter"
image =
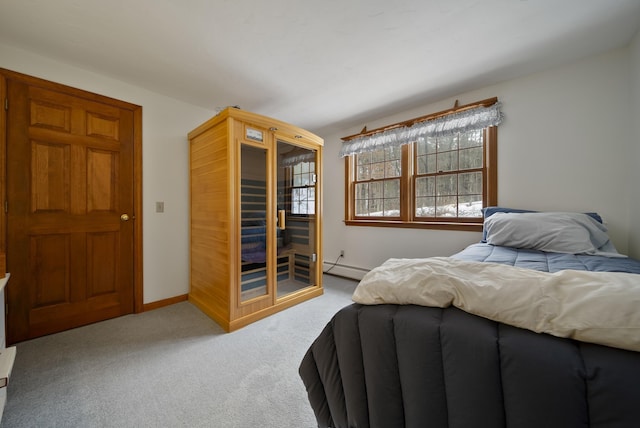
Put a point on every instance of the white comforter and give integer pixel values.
(596, 307)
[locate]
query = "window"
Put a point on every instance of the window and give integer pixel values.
(448, 176)
(303, 191)
(440, 181)
(377, 183)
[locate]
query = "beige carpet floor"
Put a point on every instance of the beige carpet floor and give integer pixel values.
(172, 367)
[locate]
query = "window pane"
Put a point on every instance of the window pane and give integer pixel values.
(376, 207)
(392, 189)
(470, 183)
(425, 186)
(421, 164)
(393, 153)
(376, 190)
(471, 139)
(471, 158)
(379, 164)
(432, 164)
(302, 193)
(295, 201)
(303, 200)
(377, 170)
(447, 143)
(448, 161)
(392, 207)
(432, 145)
(377, 156)
(364, 158)
(447, 185)
(446, 206)
(362, 207)
(470, 206)
(425, 207)
(393, 168)
(306, 179)
(426, 164)
(362, 190)
(378, 199)
(364, 172)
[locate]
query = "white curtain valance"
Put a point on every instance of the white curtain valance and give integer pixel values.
(464, 121)
(291, 160)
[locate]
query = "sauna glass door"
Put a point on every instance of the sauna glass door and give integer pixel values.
(296, 213)
(253, 222)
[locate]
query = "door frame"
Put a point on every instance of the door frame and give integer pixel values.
(138, 297)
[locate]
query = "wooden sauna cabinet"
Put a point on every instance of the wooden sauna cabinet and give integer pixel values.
(256, 217)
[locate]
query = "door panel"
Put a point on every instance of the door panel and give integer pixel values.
(254, 265)
(51, 276)
(102, 263)
(69, 179)
(296, 191)
(50, 177)
(102, 171)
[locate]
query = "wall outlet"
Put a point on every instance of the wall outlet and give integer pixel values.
(341, 253)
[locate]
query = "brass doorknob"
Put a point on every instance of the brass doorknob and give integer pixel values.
(124, 217)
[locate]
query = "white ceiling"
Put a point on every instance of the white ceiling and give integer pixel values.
(321, 64)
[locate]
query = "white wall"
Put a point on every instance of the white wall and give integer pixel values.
(634, 230)
(564, 145)
(165, 124)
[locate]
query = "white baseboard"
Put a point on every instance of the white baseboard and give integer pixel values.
(347, 271)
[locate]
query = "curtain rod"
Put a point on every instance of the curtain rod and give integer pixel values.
(455, 109)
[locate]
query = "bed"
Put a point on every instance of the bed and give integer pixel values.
(536, 326)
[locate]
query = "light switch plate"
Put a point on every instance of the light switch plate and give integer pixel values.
(159, 207)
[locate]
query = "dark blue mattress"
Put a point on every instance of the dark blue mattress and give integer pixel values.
(415, 366)
(547, 262)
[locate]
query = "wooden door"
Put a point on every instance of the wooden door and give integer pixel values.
(70, 209)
